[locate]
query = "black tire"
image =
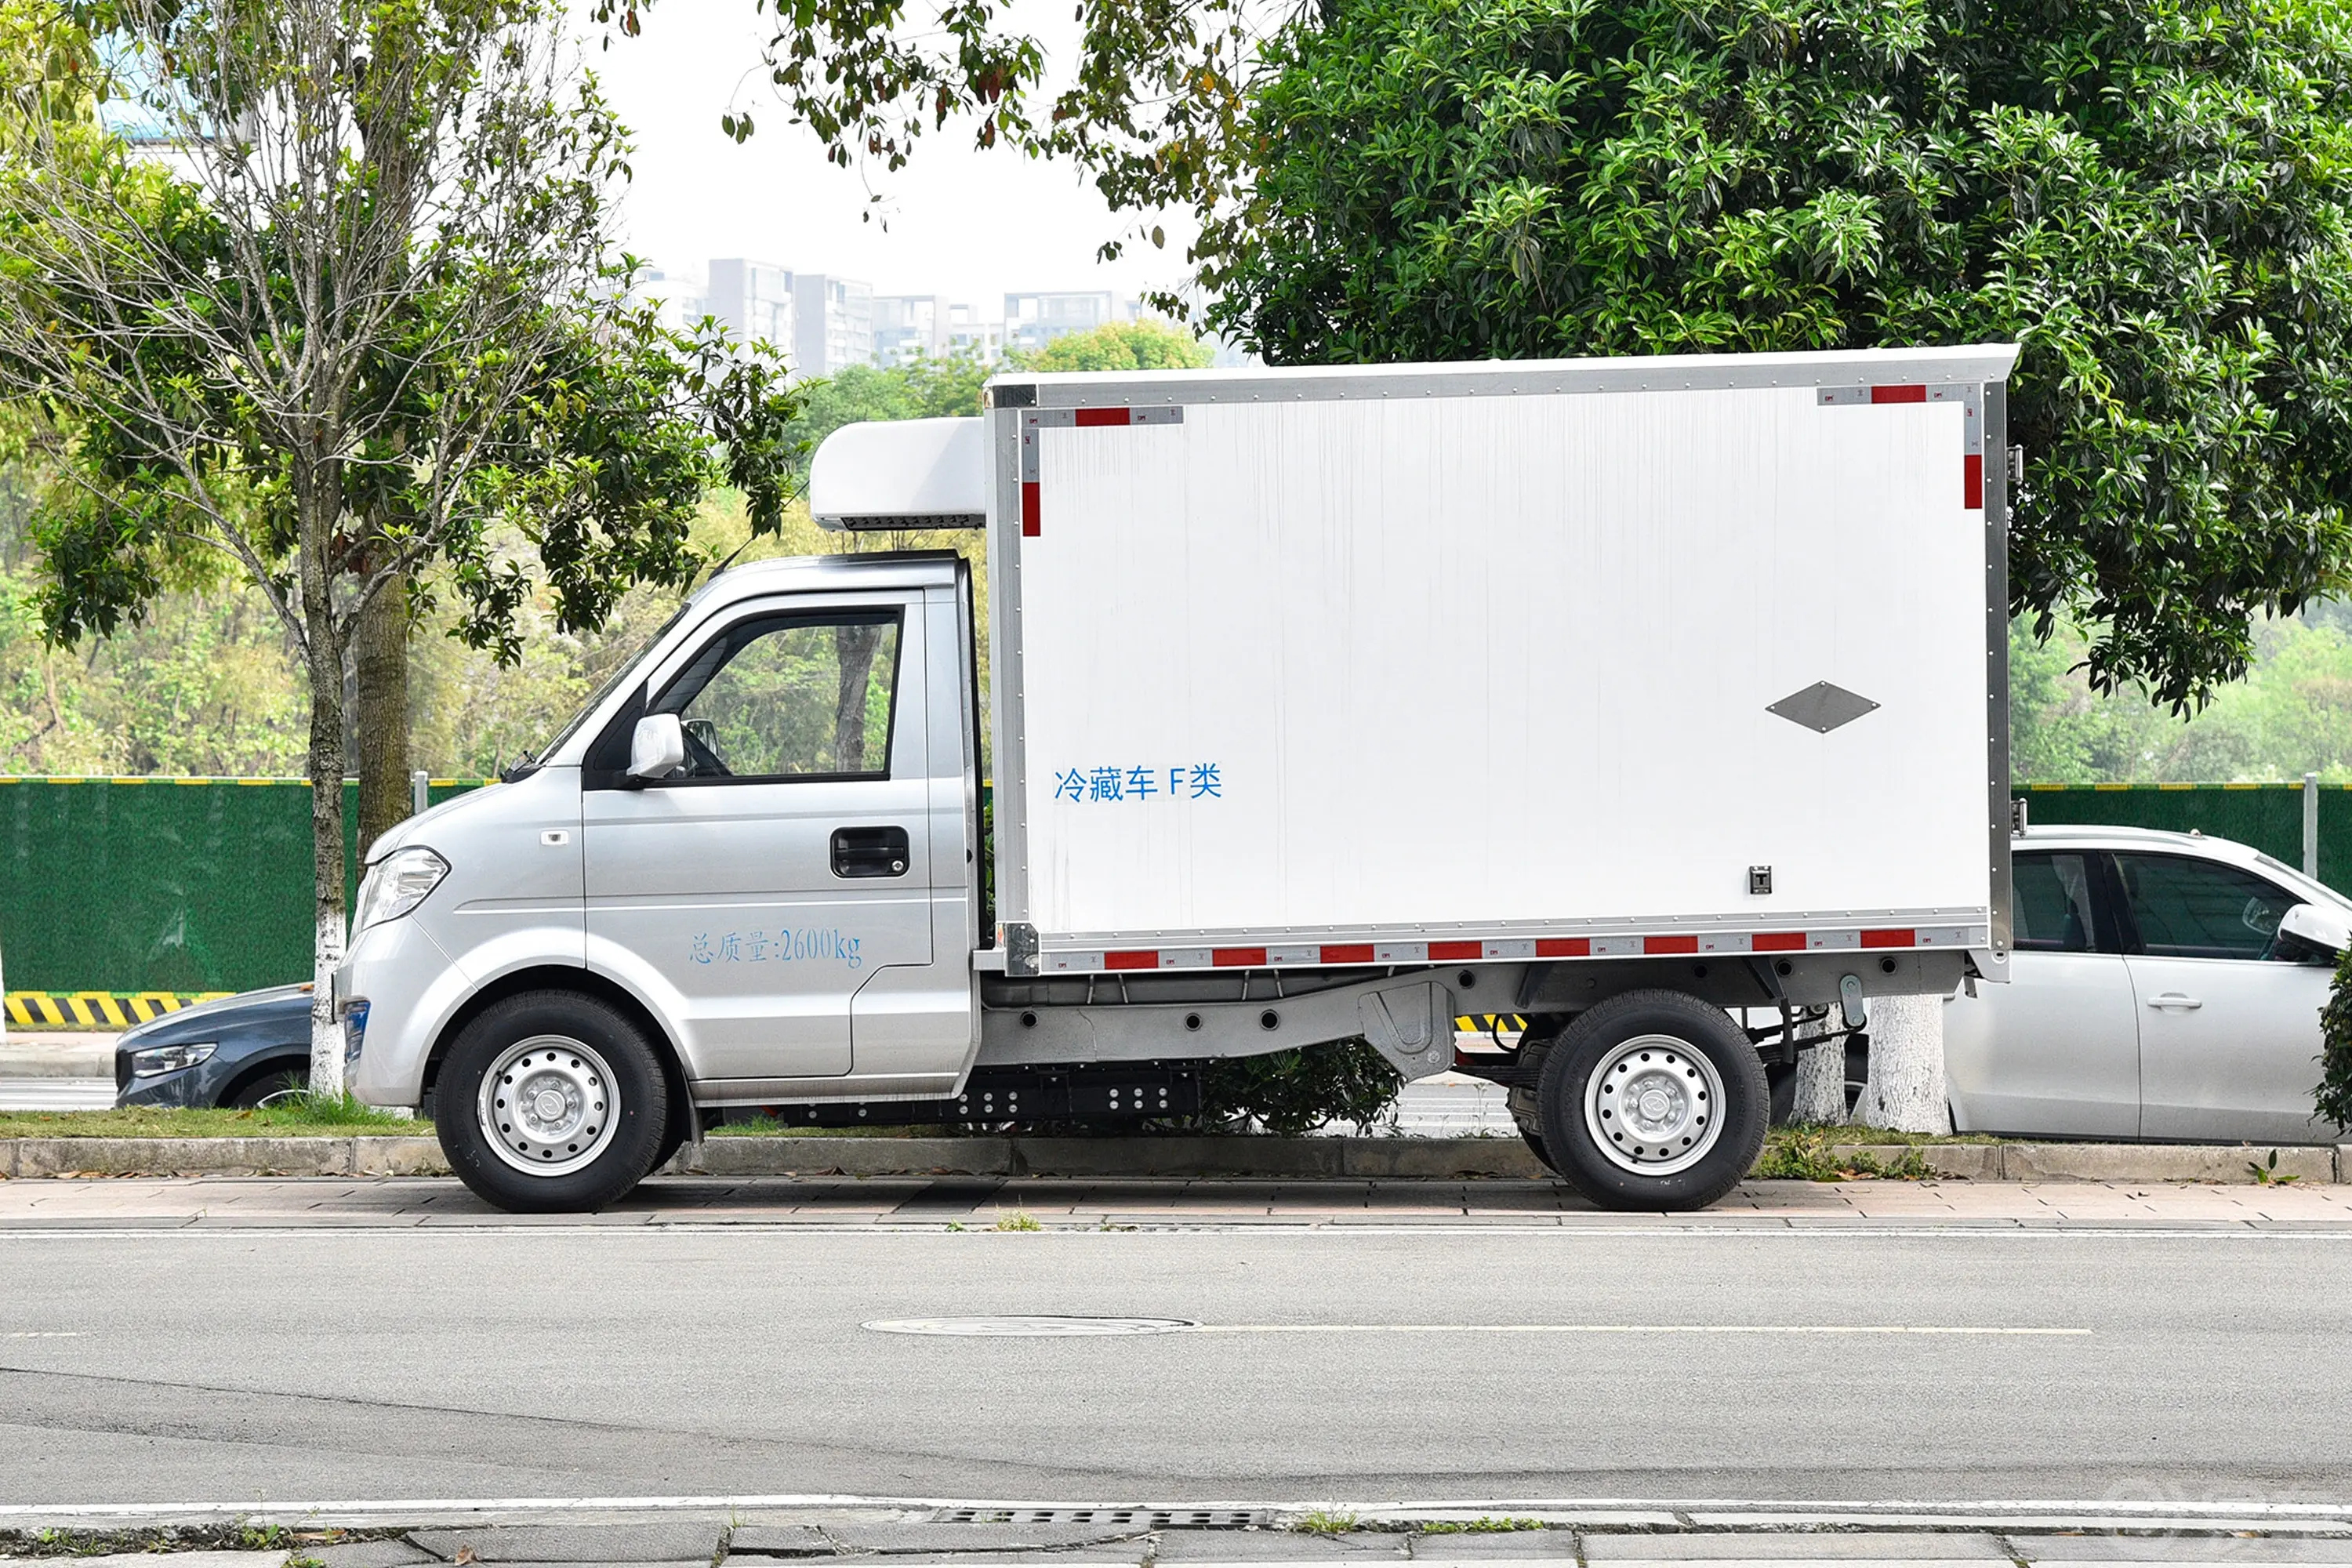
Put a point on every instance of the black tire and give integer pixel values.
(282, 1081)
(1534, 1140)
(672, 1141)
(1701, 1081)
(563, 1050)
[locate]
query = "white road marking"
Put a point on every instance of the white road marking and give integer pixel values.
(1783, 1510)
(45, 1334)
(1620, 1328)
(1055, 1327)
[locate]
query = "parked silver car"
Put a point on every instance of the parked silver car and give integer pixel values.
(2163, 985)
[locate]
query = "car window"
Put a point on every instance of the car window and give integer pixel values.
(806, 697)
(2052, 907)
(2200, 908)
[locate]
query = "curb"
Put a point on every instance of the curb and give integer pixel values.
(356, 1156)
(2231, 1163)
(1292, 1159)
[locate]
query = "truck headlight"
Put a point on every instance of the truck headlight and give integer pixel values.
(156, 1060)
(397, 884)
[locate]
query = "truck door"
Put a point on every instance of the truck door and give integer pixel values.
(787, 863)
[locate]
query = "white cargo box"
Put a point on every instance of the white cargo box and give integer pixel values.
(1500, 661)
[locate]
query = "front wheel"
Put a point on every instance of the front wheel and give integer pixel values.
(279, 1086)
(1654, 1099)
(552, 1101)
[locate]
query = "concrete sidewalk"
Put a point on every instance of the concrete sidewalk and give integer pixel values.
(916, 1203)
(756, 1536)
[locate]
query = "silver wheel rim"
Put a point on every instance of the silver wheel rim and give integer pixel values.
(291, 1088)
(1654, 1105)
(548, 1105)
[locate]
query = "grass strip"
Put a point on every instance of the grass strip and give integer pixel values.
(299, 1118)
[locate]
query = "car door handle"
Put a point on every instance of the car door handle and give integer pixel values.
(870, 851)
(2171, 999)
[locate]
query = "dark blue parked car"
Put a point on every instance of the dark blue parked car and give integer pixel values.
(238, 1051)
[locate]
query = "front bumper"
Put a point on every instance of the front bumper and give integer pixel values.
(410, 987)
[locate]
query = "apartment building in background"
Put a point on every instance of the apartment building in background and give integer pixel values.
(826, 323)
(968, 333)
(908, 327)
(678, 300)
(833, 323)
(756, 300)
(1033, 320)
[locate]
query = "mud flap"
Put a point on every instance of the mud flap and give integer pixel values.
(1412, 1025)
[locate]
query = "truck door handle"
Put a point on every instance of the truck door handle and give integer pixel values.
(870, 852)
(2170, 999)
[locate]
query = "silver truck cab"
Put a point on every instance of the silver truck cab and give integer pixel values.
(756, 846)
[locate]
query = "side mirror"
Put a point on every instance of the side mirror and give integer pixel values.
(2316, 930)
(658, 747)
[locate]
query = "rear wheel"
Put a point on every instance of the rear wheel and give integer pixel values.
(552, 1101)
(1654, 1099)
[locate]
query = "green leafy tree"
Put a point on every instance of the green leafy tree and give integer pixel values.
(306, 344)
(1150, 103)
(2290, 714)
(2151, 198)
(1124, 345)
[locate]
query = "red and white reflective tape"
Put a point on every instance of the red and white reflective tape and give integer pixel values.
(1353, 954)
(1968, 395)
(1033, 420)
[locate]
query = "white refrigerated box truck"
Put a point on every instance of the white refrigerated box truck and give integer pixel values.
(1324, 704)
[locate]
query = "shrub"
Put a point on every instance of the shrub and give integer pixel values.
(2333, 1098)
(1300, 1090)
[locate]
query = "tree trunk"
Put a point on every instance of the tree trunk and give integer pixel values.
(379, 644)
(325, 654)
(1821, 1077)
(853, 648)
(1905, 1092)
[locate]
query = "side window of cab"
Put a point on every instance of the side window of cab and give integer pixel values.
(803, 696)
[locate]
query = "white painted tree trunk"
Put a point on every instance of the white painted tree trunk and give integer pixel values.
(326, 1031)
(319, 508)
(1821, 1079)
(1905, 1092)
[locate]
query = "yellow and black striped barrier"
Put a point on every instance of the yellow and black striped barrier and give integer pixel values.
(97, 1009)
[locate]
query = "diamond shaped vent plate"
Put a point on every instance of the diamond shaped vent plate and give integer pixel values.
(1822, 707)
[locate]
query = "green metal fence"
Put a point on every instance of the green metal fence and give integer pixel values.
(135, 894)
(2270, 817)
(169, 887)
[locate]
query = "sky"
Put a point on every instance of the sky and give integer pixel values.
(957, 221)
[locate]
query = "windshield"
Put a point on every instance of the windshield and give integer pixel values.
(613, 682)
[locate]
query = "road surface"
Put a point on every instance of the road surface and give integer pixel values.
(1616, 1357)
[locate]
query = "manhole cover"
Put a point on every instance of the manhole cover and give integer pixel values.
(1029, 1328)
